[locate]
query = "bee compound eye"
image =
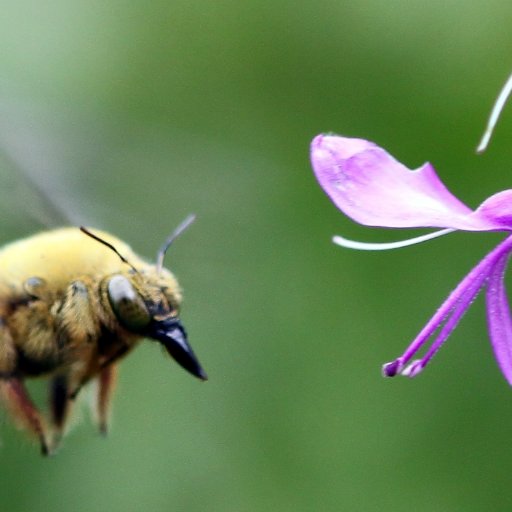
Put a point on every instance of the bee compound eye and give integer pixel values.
(127, 304)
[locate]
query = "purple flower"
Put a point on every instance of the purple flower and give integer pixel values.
(372, 188)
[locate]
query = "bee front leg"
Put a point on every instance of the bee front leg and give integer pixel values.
(78, 329)
(23, 411)
(106, 384)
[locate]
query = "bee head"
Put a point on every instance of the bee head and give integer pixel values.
(146, 301)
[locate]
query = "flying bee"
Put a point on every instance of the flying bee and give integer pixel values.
(73, 302)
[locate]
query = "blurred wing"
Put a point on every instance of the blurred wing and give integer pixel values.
(33, 194)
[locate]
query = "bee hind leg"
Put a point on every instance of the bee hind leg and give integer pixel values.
(17, 401)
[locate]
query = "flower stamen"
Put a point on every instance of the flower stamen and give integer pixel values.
(495, 114)
(386, 246)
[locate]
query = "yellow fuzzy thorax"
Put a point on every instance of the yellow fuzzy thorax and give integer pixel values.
(61, 255)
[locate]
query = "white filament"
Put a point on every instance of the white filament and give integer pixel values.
(363, 246)
(495, 114)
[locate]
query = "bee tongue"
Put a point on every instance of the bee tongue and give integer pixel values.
(173, 337)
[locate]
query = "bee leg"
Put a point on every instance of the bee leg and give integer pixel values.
(60, 404)
(106, 384)
(23, 411)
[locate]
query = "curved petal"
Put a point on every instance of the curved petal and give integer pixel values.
(372, 188)
(496, 210)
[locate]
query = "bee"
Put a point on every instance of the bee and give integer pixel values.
(73, 303)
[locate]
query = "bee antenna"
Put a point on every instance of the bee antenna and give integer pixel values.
(175, 234)
(109, 245)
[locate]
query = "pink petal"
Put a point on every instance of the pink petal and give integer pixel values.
(499, 320)
(497, 210)
(449, 314)
(372, 188)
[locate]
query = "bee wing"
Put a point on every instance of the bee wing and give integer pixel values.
(32, 176)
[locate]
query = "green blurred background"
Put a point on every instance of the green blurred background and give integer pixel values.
(133, 114)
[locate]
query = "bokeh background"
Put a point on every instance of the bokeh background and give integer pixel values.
(130, 115)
